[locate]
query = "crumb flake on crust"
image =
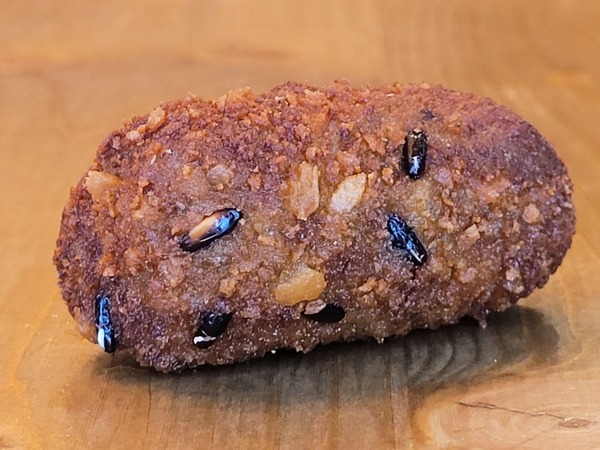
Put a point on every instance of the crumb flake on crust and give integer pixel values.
(303, 190)
(101, 186)
(348, 193)
(531, 214)
(302, 284)
(154, 121)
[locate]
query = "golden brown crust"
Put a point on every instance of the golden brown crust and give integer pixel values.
(316, 173)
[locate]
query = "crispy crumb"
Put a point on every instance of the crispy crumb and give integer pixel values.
(303, 191)
(531, 214)
(472, 232)
(219, 176)
(388, 175)
(302, 284)
(348, 193)
(368, 285)
(100, 185)
(227, 286)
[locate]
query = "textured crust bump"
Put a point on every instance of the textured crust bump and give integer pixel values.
(316, 173)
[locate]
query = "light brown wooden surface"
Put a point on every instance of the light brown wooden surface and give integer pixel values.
(70, 72)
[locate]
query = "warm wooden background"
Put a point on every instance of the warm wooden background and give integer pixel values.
(70, 72)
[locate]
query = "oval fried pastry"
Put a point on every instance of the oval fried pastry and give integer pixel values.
(217, 231)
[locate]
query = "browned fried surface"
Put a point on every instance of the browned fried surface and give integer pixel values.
(316, 173)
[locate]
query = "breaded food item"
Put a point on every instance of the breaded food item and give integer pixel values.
(210, 232)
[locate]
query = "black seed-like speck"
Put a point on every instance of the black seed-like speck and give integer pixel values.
(414, 154)
(331, 313)
(216, 225)
(106, 335)
(404, 238)
(211, 326)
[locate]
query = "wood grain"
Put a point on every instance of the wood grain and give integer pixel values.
(71, 72)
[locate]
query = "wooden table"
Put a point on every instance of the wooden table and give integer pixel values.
(70, 72)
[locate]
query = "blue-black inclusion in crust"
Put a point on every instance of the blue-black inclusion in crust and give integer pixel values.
(212, 227)
(404, 238)
(414, 154)
(106, 333)
(212, 325)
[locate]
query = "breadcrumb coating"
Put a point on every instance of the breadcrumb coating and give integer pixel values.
(315, 173)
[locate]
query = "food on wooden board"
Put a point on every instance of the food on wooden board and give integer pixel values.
(210, 232)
